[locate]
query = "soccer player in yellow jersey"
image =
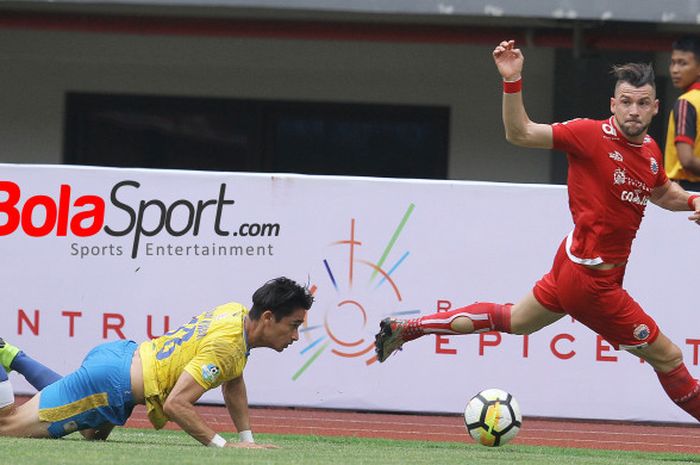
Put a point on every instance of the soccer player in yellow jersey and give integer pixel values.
(167, 374)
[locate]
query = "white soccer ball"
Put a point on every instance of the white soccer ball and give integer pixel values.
(492, 417)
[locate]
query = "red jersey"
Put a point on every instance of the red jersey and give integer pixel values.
(610, 182)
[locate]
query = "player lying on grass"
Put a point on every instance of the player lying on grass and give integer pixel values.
(614, 170)
(167, 374)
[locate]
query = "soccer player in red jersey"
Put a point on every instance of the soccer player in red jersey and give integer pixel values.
(614, 171)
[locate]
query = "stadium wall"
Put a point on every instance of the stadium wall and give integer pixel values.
(39, 67)
(89, 271)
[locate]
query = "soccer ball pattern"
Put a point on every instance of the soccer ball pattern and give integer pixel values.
(492, 417)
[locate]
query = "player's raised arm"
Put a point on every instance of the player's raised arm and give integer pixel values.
(520, 130)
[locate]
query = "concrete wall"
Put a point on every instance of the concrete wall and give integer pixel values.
(38, 67)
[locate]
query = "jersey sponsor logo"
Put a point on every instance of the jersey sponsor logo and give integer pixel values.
(617, 156)
(619, 176)
(204, 323)
(637, 184)
(654, 166)
(609, 128)
(634, 197)
(641, 332)
(210, 373)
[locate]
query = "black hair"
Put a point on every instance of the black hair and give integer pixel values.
(282, 297)
(688, 44)
(636, 74)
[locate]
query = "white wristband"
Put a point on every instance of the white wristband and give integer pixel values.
(246, 436)
(217, 441)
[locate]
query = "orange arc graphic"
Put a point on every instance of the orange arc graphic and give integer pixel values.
(354, 354)
(330, 333)
(386, 276)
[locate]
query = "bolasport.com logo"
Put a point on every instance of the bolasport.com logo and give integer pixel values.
(133, 218)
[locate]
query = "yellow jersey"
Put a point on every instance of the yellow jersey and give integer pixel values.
(212, 348)
(683, 126)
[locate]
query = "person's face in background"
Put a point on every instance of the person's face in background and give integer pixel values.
(684, 69)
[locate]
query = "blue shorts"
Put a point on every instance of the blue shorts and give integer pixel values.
(98, 392)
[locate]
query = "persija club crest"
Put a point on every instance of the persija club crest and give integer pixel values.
(654, 166)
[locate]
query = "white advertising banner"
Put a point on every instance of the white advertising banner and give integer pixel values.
(96, 254)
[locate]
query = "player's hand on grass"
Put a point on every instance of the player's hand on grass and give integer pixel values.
(250, 445)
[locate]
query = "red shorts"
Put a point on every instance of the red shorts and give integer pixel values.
(596, 299)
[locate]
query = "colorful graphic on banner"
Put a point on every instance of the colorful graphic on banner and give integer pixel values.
(324, 335)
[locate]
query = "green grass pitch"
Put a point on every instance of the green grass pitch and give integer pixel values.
(137, 446)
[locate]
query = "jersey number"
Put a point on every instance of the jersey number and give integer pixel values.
(177, 337)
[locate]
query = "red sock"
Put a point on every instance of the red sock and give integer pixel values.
(485, 316)
(683, 389)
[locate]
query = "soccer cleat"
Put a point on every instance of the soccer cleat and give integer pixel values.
(389, 339)
(8, 352)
